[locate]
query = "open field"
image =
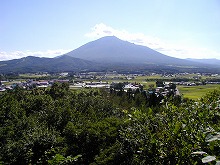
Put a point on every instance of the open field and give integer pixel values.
(195, 92)
(31, 75)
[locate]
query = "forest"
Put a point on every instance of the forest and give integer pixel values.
(95, 126)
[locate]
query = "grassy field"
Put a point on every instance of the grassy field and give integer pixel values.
(33, 75)
(192, 92)
(195, 92)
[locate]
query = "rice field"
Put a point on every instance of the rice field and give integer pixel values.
(196, 92)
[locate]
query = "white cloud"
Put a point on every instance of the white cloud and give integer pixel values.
(171, 49)
(19, 54)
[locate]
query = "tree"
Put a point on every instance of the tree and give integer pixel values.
(159, 83)
(90, 126)
(59, 90)
(172, 86)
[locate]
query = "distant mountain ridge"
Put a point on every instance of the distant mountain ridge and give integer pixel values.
(110, 49)
(37, 64)
(212, 61)
(108, 53)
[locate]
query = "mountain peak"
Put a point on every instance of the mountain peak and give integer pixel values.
(110, 37)
(106, 39)
(110, 49)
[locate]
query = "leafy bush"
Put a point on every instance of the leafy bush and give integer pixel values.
(59, 126)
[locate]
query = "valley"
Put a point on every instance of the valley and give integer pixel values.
(190, 85)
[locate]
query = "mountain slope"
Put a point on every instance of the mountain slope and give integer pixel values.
(206, 61)
(36, 64)
(113, 50)
(107, 54)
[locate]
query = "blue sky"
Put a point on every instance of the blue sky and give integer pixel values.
(47, 28)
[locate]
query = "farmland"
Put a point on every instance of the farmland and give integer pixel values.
(187, 90)
(195, 92)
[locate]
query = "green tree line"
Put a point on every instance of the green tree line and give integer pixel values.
(91, 126)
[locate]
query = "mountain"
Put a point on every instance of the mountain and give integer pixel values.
(212, 61)
(37, 64)
(110, 49)
(108, 54)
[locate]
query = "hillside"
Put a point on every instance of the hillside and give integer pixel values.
(110, 49)
(206, 61)
(37, 64)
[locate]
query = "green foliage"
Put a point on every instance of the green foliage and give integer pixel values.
(159, 83)
(60, 159)
(59, 90)
(59, 126)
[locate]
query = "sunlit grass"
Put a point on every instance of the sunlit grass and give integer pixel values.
(196, 92)
(29, 75)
